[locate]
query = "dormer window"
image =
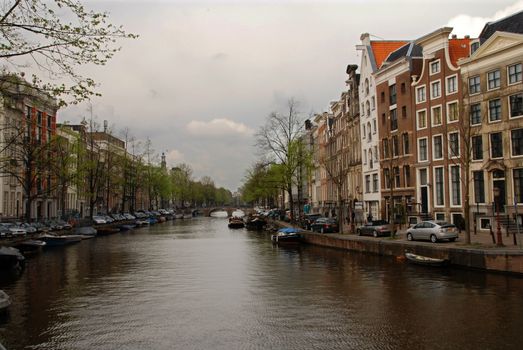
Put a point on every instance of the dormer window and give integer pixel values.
(435, 67)
(474, 47)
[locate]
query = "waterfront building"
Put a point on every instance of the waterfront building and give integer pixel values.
(438, 127)
(493, 112)
(28, 122)
(396, 125)
(321, 179)
(373, 53)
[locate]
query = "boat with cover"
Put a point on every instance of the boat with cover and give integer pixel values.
(5, 301)
(11, 258)
(86, 231)
(287, 235)
(30, 246)
(236, 222)
(55, 241)
(425, 260)
(255, 223)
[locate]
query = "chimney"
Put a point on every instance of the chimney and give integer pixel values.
(454, 36)
(467, 36)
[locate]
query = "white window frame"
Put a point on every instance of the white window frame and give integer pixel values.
(451, 196)
(419, 88)
(501, 114)
(432, 83)
(417, 119)
(510, 143)
(432, 115)
(508, 75)
(490, 144)
(447, 92)
(439, 213)
(438, 62)
(434, 147)
(510, 108)
(472, 77)
(418, 143)
(436, 205)
(480, 114)
(447, 114)
(497, 87)
(450, 155)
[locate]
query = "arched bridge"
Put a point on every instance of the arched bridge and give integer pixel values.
(229, 210)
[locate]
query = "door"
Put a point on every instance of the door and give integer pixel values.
(501, 201)
(424, 200)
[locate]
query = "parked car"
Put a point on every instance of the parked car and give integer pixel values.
(375, 228)
(324, 225)
(308, 220)
(433, 231)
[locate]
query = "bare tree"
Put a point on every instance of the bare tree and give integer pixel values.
(279, 138)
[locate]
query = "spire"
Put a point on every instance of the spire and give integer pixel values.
(164, 163)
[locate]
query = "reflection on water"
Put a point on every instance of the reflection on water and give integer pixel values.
(195, 284)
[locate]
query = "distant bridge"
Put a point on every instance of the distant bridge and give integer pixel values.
(229, 210)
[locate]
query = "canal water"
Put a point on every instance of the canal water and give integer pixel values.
(195, 284)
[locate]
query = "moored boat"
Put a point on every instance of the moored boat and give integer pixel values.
(236, 222)
(11, 258)
(287, 235)
(55, 241)
(255, 223)
(5, 301)
(425, 260)
(126, 227)
(30, 246)
(104, 231)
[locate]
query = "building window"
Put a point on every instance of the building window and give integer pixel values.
(406, 144)
(392, 94)
(385, 148)
(422, 149)
(404, 111)
(436, 116)
(455, 187)
(494, 110)
(406, 175)
(395, 146)
(518, 185)
(369, 132)
(479, 186)
(475, 114)
(454, 144)
(438, 147)
(422, 119)
(514, 73)
(374, 126)
(393, 120)
(438, 179)
(434, 67)
(386, 178)
(371, 160)
(382, 96)
(403, 89)
(366, 86)
(496, 145)
(517, 142)
(435, 89)
(376, 153)
(494, 79)
(420, 94)
(452, 84)
(373, 102)
(477, 147)
(474, 85)
(39, 117)
(367, 183)
(28, 112)
(364, 132)
(375, 183)
(474, 47)
(423, 177)
(452, 111)
(397, 180)
(516, 105)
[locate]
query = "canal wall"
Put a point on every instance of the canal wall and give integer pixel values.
(495, 259)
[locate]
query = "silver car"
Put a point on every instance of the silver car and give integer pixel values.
(433, 231)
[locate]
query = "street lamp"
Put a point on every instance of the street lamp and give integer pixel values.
(498, 233)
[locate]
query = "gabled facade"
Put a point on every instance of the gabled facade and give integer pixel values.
(493, 101)
(373, 53)
(438, 127)
(395, 114)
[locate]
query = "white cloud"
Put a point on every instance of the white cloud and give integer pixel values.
(173, 156)
(218, 127)
(472, 25)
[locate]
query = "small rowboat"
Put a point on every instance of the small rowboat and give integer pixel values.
(425, 260)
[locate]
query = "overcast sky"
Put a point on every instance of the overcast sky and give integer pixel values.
(203, 75)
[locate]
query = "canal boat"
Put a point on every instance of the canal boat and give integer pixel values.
(287, 235)
(255, 223)
(56, 241)
(104, 231)
(126, 227)
(236, 222)
(5, 301)
(11, 258)
(425, 260)
(30, 246)
(86, 232)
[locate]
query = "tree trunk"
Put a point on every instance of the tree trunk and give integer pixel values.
(466, 207)
(291, 201)
(340, 212)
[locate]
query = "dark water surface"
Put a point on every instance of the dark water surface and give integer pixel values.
(195, 284)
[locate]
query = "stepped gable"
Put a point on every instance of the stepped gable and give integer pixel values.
(382, 49)
(511, 24)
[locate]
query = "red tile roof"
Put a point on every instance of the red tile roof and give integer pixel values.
(382, 49)
(458, 48)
